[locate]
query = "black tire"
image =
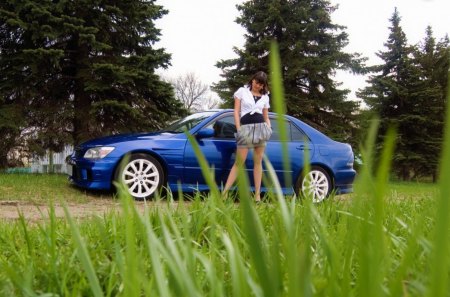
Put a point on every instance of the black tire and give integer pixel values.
(315, 185)
(142, 175)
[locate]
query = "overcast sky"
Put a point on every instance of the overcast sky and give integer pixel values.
(198, 33)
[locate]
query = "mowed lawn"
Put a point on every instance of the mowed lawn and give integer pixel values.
(50, 187)
(40, 188)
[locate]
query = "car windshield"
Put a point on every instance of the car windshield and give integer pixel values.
(187, 123)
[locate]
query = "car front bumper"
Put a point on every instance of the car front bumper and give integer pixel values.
(93, 175)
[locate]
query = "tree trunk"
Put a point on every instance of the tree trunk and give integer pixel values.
(81, 118)
(82, 101)
(3, 160)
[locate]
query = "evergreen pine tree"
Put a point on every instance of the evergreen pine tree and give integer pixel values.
(84, 68)
(311, 51)
(405, 95)
(388, 93)
(433, 61)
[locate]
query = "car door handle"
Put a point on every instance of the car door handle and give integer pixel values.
(303, 147)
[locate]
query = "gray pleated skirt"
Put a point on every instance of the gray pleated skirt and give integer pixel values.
(253, 135)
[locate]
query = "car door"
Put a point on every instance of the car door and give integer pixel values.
(219, 151)
(297, 143)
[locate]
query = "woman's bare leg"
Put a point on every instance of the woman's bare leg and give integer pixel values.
(241, 155)
(257, 170)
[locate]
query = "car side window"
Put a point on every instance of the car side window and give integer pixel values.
(275, 131)
(293, 133)
(297, 134)
(224, 127)
(276, 136)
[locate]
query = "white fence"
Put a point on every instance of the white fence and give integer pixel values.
(43, 164)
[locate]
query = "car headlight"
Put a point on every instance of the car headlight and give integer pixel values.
(98, 152)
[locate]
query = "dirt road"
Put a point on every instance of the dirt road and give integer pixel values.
(11, 210)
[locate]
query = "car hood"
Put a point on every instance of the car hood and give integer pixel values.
(119, 138)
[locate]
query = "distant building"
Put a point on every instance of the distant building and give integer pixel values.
(44, 164)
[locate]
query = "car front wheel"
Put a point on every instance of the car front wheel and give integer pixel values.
(141, 174)
(316, 184)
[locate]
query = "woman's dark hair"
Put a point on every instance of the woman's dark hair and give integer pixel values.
(261, 78)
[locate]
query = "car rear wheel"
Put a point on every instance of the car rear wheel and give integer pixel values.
(315, 185)
(142, 175)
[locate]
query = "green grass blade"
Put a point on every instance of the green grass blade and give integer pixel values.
(240, 278)
(153, 247)
(440, 260)
(208, 173)
(84, 257)
(132, 277)
(255, 238)
(280, 107)
(376, 259)
(401, 275)
(167, 249)
(287, 234)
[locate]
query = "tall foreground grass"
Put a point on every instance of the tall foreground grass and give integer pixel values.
(211, 248)
(373, 243)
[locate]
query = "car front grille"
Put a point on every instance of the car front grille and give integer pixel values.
(81, 174)
(79, 152)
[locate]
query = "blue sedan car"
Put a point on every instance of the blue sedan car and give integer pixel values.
(147, 162)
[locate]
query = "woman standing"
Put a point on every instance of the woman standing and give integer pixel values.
(251, 117)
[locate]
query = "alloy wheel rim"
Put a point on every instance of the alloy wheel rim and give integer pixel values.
(141, 177)
(315, 186)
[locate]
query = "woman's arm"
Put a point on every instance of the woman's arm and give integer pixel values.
(237, 113)
(266, 116)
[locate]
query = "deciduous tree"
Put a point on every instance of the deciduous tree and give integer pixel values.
(194, 94)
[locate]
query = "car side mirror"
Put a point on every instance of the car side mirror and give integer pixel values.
(205, 133)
